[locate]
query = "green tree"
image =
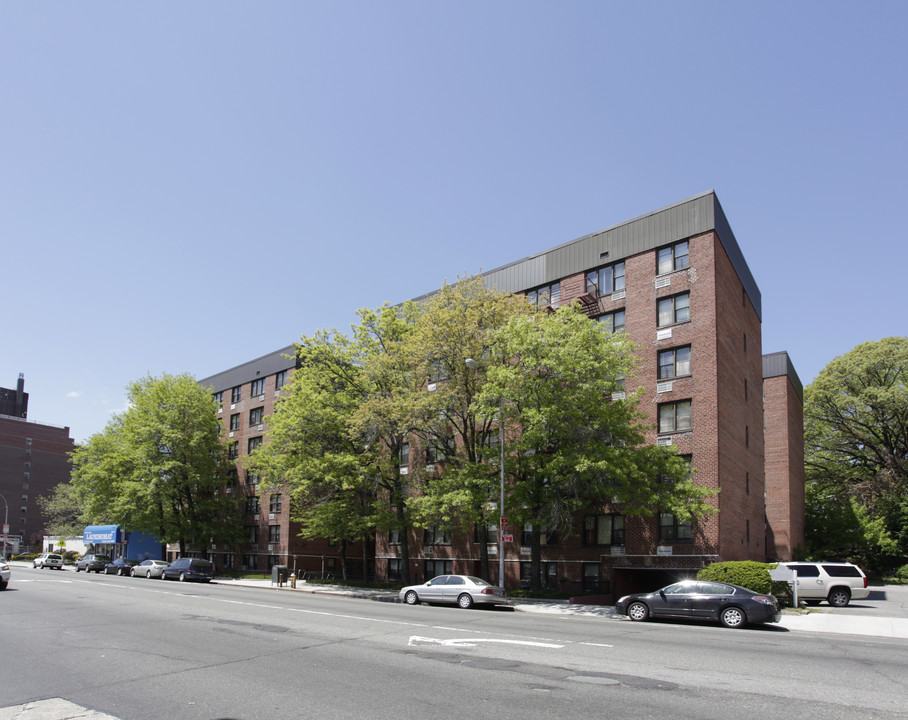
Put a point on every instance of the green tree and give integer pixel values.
(337, 438)
(64, 510)
(856, 452)
(570, 448)
(461, 491)
(158, 466)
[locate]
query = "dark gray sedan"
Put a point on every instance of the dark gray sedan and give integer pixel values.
(463, 590)
(731, 605)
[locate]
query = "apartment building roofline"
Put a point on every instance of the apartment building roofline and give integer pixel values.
(778, 364)
(673, 223)
(262, 366)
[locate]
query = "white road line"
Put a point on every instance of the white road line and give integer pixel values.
(471, 642)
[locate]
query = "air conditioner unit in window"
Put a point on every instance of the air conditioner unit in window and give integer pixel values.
(261, 427)
(255, 517)
(271, 516)
(270, 547)
(261, 398)
(213, 546)
(664, 441)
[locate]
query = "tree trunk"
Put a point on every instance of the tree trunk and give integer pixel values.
(342, 556)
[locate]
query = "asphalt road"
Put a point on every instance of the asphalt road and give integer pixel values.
(142, 650)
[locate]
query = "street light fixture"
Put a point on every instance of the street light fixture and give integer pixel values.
(473, 365)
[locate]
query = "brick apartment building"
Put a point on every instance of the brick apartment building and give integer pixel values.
(34, 458)
(676, 281)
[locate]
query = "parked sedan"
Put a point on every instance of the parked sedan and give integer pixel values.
(120, 566)
(90, 562)
(4, 573)
(462, 590)
(149, 568)
(183, 569)
(731, 605)
(48, 560)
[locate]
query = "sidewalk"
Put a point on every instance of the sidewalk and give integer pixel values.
(815, 621)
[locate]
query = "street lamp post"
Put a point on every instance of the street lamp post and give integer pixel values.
(473, 365)
(5, 524)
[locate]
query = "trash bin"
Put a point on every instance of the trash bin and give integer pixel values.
(279, 575)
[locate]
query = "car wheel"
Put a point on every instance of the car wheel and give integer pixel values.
(182, 577)
(411, 598)
(733, 617)
(78, 569)
(637, 611)
(3, 585)
(839, 597)
(148, 574)
(465, 601)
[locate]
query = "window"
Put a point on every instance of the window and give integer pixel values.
(437, 536)
(675, 416)
(253, 479)
(674, 363)
(251, 533)
(545, 295)
(228, 561)
(395, 572)
(747, 483)
(258, 387)
(673, 530)
(233, 450)
(274, 533)
(674, 257)
(236, 394)
(605, 281)
(603, 530)
(614, 321)
(280, 379)
(591, 581)
(439, 449)
(219, 399)
(434, 568)
(394, 537)
(546, 537)
(675, 309)
(437, 371)
(235, 422)
(256, 415)
(274, 503)
(253, 505)
(254, 444)
(548, 576)
(405, 454)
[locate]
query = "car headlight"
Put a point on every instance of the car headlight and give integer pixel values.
(622, 599)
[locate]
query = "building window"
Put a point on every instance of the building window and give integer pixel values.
(605, 281)
(219, 399)
(394, 537)
(405, 454)
(280, 379)
(674, 363)
(591, 581)
(254, 444)
(253, 505)
(233, 450)
(437, 371)
(252, 533)
(395, 571)
(235, 422)
(274, 503)
(434, 568)
(437, 536)
(28, 441)
(674, 310)
(256, 415)
(613, 321)
(747, 483)
(253, 479)
(673, 530)
(439, 450)
(236, 394)
(675, 416)
(258, 387)
(674, 257)
(227, 560)
(545, 295)
(546, 537)
(274, 533)
(603, 530)
(548, 576)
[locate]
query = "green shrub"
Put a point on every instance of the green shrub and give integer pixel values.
(746, 573)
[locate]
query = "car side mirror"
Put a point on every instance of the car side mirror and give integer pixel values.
(662, 593)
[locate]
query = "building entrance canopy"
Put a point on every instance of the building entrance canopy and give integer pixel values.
(103, 534)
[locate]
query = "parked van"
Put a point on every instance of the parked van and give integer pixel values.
(837, 583)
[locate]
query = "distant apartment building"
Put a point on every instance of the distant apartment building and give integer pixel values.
(34, 458)
(675, 280)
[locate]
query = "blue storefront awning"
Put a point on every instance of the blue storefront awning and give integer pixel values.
(103, 534)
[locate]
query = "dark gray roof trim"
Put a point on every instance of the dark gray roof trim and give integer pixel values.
(682, 220)
(249, 371)
(778, 364)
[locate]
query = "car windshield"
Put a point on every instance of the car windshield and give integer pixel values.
(478, 581)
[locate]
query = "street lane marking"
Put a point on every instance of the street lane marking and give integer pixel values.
(595, 644)
(472, 642)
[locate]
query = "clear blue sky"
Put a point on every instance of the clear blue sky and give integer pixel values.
(187, 186)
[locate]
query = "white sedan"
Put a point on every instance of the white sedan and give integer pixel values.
(463, 590)
(149, 568)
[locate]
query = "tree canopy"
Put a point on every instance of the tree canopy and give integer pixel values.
(856, 454)
(158, 466)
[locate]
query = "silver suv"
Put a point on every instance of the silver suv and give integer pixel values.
(835, 582)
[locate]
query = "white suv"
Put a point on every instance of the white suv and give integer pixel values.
(49, 560)
(834, 582)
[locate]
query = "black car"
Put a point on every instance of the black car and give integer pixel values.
(120, 566)
(98, 563)
(183, 569)
(732, 605)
